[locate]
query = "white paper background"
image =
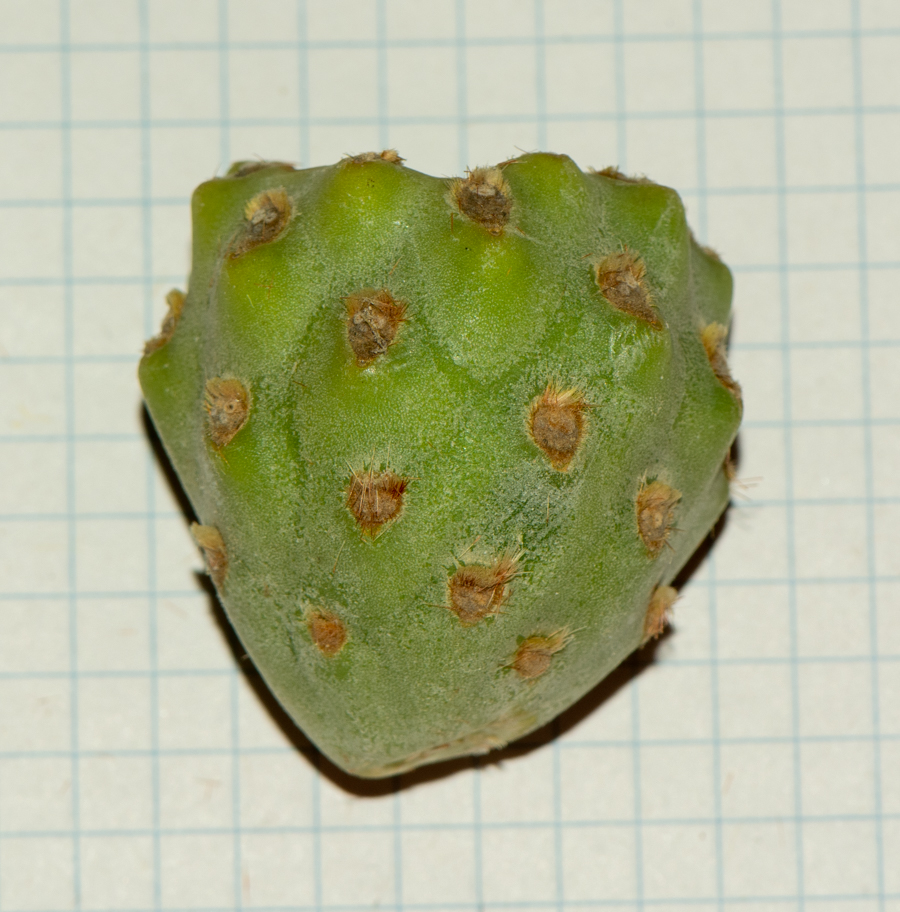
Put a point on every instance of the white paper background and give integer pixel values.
(753, 763)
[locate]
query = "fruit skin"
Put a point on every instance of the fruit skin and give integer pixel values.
(448, 441)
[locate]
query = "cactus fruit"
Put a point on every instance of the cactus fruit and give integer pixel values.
(449, 441)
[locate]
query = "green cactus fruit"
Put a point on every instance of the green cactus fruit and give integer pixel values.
(449, 441)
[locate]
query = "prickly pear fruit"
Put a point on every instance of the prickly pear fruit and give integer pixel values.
(449, 441)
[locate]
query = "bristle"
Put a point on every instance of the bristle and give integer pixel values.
(535, 654)
(266, 216)
(483, 197)
(655, 506)
(373, 319)
(478, 591)
(556, 423)
(621, 278)
(375, 499)
(227, 404)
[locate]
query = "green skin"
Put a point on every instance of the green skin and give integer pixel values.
(490, 321)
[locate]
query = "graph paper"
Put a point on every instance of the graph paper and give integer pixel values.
(750, 760)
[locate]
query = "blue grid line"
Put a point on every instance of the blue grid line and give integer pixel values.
(462, 85)
(570, 744)
(703, 231)
(99, 437)
(224, 122)
(172, 514)
(99, 594)
(396, 830)
(389, 829)
(532, 904)
(170, 278)
(236, 828)
(803, 345)
(540, 89)
(124, 202)
(425, 120)
(317, 831)
(85, 280)
(589, 904)
(462, 134)
(304, 147)
(477, 841)
(384, 140)
(784, 294)
(638, 37)
(303, 80)
(223, 48)
(540, 70)
(213, 123)
(150, 483)
(862, 242)
(558, 824)
(71, 531)
(734, 662)
(639, 821)
(124, 358)
(1, 829)
(634, 685)
(850, 658)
